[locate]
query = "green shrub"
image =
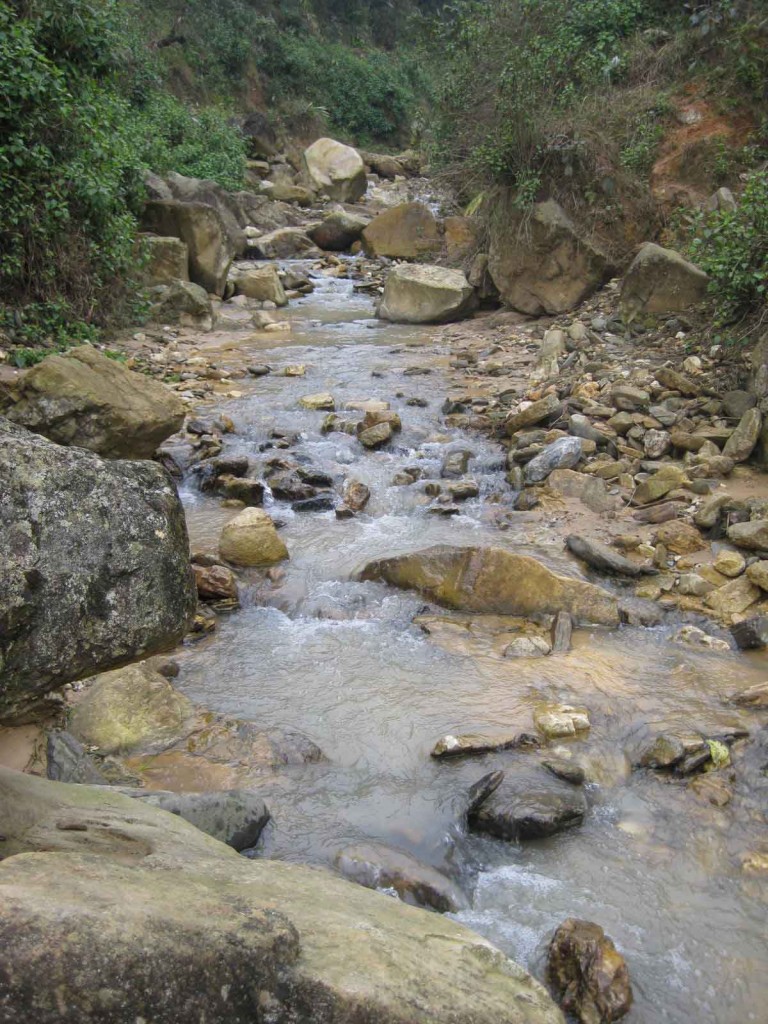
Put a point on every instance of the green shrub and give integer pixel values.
(69, 177)
(732, 247)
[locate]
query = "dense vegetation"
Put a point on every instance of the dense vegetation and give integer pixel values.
(547, 98)
(96, 92)
(564, 98)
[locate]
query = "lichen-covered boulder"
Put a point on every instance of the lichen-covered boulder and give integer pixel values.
(494, 581)
(661, 281)
(82, 398)
(336, 169)
(416, 294)
(95, 566)
(543, 264)
(112, 911)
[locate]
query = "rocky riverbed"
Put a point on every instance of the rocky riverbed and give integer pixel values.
(478, 604)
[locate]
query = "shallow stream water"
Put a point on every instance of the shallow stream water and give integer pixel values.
(343, 662)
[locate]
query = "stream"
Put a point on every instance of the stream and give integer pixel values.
(343, 662)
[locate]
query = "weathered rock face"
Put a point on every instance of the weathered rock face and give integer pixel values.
(545, 267)
(82, 398)
(588, 973)
(182, 302)
(128, 912)
(167, 259)
(262, 283)
(406, 232)
(200, 226)
(338, 231)
(95, 569)
(660, 281)
(284, 243)
(415, 294)
(494, 581)
(336, 169)
(203, 190)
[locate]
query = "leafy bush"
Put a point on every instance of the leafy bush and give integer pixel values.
(732, 247)
(69, 177)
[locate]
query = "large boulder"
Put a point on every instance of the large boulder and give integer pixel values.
(200, 226)
(203, 190)
(167, 259)
(262, 283)
(83, 398)
(338, 231)
(284, 243)
(384, 165)
(405, 232)
(416, 294)
(114, 911)
(494, 581)
(542, 264)
(182, 302)
(661, 281)
(95, 567)
(336, 169)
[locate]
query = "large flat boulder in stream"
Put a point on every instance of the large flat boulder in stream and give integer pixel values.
(95, 566)
(494, 581)
(541, 263)
(113, 911)
(336, 169)
(82, 398)
(416, 294)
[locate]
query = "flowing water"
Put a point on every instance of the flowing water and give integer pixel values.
(344, 662)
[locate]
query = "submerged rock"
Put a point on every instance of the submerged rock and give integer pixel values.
(466, 744)
(588, 973)
(495, 581)
(127, 912)
(529, 805)
(377, 866)
(83, 399)
(95, 566)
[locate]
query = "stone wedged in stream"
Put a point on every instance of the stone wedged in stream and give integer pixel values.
(419, 294)
(112, 911)
(378, 866)
(495, 581)
(588, 973)
(82, 398)
(95, 568)
(605, 559)
(529, 804)
(235, 817)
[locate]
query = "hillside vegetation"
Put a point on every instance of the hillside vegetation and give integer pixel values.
(584, 102)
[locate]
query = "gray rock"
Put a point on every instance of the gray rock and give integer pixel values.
(661, 281)
(236, 817)
(69, 761)
(742, 441)
(736, 403)
(752, 535)
(95, 571)
(564, 453)
(377, 866)
(604, 558)
(751, 634)
(455, 464)
(581, 426)
(530, 805)
(560, 636)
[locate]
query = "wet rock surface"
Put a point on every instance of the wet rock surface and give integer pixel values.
(588, 973)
